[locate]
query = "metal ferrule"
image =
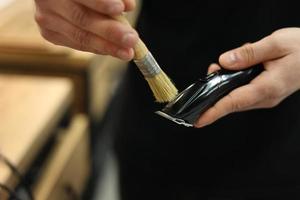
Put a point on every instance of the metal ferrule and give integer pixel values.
(148, 66)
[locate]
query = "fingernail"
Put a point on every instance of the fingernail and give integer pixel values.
(116, 7)
(123, 54)
(231, 58)
(129, 40)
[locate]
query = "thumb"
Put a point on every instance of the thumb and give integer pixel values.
(250, 54)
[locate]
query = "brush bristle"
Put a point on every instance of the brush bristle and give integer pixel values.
(162, 87)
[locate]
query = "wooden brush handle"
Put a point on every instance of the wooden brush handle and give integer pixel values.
(140, 49)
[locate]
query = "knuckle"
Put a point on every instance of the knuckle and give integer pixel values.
(248, 53)
(107, 49)
(278, 33)
(101, 52)
(276, 42)
(234, 105)
(80, 16)
(273, 41)
(41, 19)
(82, 37)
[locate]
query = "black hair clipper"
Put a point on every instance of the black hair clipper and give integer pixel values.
(188, 105)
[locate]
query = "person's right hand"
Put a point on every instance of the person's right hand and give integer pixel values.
(86, 25)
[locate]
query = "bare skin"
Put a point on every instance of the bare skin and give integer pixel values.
(280, 55)
(87, 25)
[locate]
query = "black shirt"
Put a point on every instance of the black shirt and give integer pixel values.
(248, 155)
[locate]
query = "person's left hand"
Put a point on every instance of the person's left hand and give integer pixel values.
(280, 55)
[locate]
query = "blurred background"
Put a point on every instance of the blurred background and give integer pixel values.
(55, 132)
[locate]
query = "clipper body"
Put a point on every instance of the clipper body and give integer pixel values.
(186, 108)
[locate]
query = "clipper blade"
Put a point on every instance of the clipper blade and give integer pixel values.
(173, 119)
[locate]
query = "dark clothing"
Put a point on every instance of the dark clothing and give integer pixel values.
(248, 155)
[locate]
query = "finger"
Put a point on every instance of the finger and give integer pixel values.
(82, 39)
(61, 40)
(109, 7)
(251, 54)
(129, 5)
(212, 68)
(101, 25)
(241, 99)
(247, 43)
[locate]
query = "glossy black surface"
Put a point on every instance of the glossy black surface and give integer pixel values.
(198, 97)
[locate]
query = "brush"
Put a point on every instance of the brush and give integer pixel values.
(162, 87)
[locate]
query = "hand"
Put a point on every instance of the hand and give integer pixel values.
(87, 25)
(280, 55)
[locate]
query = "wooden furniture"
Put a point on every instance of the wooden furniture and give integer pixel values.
(31, 109)
(68, 167)
(24, 51)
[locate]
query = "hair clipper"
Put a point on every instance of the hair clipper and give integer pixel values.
(192, 102)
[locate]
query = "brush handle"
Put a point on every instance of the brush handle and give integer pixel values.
(142, 56)
(160, 84)
(140, 49)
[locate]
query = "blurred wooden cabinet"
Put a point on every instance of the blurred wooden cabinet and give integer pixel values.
(32, 111)
(24, 51)
(67, 169)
